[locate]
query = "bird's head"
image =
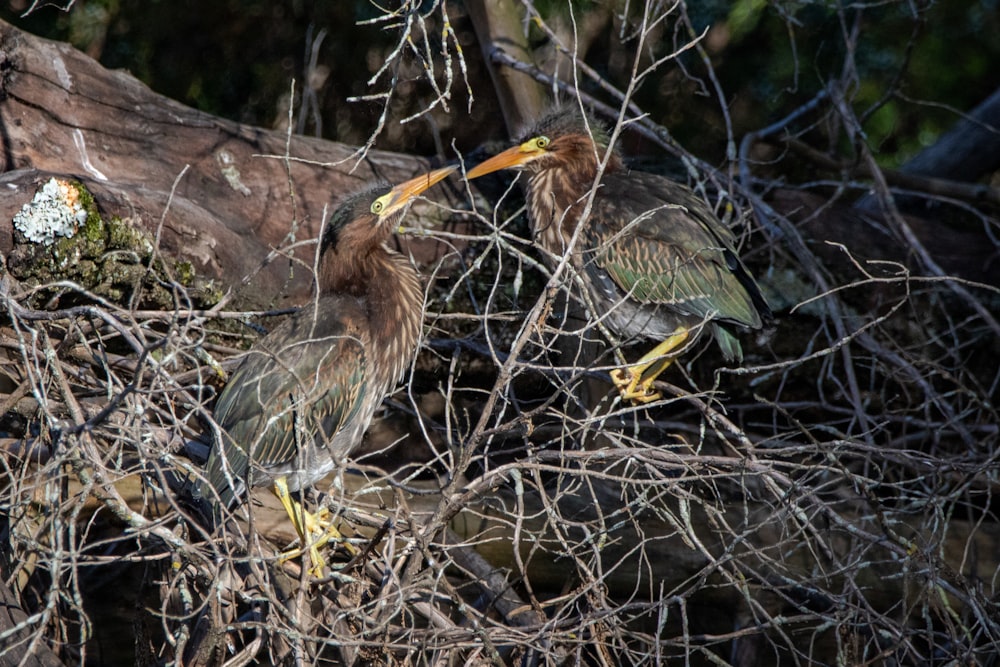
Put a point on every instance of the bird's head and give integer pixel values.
(562, 139)
(368, 217)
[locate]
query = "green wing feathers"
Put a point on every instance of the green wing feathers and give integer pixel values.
(677, 255)
(309, 374)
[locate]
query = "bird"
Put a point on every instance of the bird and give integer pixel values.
(302, 398)
(656, 261)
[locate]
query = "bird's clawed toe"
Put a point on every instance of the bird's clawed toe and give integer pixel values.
(314, 530)
(632, 387)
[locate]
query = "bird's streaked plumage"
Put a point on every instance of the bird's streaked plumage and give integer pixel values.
(656, 260)
(303, 397)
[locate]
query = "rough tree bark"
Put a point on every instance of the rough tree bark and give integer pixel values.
(220, 188)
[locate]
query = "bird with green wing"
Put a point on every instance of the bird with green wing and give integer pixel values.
(656, 261)
(304, 395)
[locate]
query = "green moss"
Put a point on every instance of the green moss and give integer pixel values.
(208, 291)
(111, 258)
(185, 272)
(93, 228)
(122, 235)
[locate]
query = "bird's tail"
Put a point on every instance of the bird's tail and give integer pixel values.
(728, 343)
(217, 489)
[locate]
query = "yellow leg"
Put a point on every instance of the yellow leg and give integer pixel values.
(314, 530)
(636, 382)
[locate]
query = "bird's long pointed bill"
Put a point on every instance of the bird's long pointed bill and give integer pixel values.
(407, 190)
(512, 157)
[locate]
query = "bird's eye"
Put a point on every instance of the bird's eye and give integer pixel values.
(377, 206)
(542, 143)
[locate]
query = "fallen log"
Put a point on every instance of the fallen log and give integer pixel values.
(213, 191)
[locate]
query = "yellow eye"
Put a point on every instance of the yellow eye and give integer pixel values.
(378, 205)
(542, 143)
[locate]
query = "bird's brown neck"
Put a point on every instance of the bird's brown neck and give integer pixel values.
(557, 195)
(349, 271)
(389, 287)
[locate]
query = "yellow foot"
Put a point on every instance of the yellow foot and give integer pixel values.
(632, 387)
(314, 530)
(316, 539)
(635, 383)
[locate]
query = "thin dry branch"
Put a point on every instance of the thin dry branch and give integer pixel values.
(830, 501)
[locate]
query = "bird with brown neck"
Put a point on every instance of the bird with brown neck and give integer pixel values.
(302, 398)
(655, 259)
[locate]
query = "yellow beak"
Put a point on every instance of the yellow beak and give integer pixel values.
(512, 157)
(401, 195)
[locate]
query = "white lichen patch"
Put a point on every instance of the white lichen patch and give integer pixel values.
(55, 211)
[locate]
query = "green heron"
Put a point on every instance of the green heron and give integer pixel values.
(303, 397)
(656, 261)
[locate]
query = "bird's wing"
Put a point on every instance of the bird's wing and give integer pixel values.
(669, 248)
(309, 373)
